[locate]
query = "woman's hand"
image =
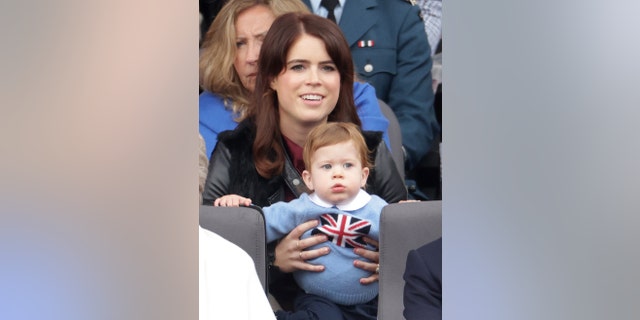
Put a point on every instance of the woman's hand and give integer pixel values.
(232, 200)
(370, 255)
(291, 254)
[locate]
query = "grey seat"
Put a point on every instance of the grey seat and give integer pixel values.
(395, 136)
(403, 226)
(243, 226)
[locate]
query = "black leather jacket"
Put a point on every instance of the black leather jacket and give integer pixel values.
(231, 171)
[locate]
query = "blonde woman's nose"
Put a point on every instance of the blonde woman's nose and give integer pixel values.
(253, 52)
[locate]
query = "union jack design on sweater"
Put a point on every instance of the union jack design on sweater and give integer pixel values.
(344, 230)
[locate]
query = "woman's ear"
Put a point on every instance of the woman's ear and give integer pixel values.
(273, 84)
(306, 176)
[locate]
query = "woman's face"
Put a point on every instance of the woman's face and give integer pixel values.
(309, 86)
(251, 27)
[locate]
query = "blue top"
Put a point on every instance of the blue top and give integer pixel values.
(215, 117)
(344, 226)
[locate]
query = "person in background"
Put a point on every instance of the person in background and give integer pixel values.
(228, 67)
(305, 79)
(423, 283)
(431, 12)
(337, 162)
(392, 53)
(229, 290)
(208, 11)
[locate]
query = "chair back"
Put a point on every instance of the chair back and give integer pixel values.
(395, 136)
(403, 227)
(243, 226)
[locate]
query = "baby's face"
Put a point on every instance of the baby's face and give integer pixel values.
(336, 173)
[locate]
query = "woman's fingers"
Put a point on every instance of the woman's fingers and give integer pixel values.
(369, 254)
(291, 254)
(372, 263)
(371, 242)
(370, 267)
(297, 232)
(304, 255)
(371, 279)
(312, 254)
(310, 242)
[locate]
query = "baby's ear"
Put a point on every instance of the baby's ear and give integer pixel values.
(365, 175)
(306, 176)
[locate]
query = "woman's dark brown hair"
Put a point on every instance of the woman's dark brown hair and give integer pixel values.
(268, 151)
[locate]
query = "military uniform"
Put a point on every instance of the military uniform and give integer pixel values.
(391, 52)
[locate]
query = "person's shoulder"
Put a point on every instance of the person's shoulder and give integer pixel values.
(242, 133)
(372, 138)
(407, 2)
(400, 7)
(432, 249)
(210, 98)
(211, 103)
(400, 3)
(377, 201)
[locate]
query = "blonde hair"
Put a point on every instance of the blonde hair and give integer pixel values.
(332, 133)
(203, 162)
(217, 73)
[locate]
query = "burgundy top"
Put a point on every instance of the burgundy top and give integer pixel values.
(295, 152)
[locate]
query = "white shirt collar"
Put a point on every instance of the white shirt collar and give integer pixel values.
(361, 199)
(315, 4)
(321, 11)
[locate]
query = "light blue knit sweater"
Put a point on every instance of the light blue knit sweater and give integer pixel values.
(340, 281)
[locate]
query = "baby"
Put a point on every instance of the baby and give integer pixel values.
(337, 165)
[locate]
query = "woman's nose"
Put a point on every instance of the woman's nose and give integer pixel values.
(313, 76)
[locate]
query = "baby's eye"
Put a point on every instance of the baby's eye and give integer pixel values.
(326, 166)
(347, 165)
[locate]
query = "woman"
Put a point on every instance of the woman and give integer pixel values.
(228, 65)
(305, 78)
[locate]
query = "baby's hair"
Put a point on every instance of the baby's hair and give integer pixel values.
(332, 133)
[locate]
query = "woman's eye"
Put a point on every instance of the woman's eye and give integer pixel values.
(297, 67)
(326, 166)
(328, 68)
(240, 43)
